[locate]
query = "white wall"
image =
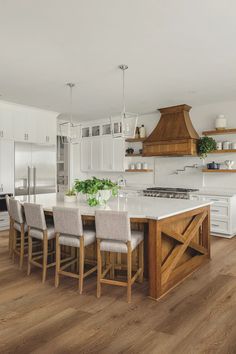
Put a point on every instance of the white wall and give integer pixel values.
(203, 118)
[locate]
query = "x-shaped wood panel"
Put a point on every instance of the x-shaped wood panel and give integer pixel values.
(185, 241)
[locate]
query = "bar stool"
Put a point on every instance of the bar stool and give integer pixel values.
(18, 226)
(113, 232)
(10, 243)
(38, 229)
(69, 232)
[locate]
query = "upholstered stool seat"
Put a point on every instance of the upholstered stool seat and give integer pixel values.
(36, 233)
(70, 233)
(119, 246)
(17, 226)
(74, 241)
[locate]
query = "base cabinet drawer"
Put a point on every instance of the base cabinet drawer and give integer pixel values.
(216, 199)
(219, 210)
(219, 226)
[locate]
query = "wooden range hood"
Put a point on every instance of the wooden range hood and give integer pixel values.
(174, 135)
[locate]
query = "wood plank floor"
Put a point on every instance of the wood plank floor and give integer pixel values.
(199, 316)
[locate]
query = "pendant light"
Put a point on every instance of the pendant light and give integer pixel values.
(72, 134)
(128, 120)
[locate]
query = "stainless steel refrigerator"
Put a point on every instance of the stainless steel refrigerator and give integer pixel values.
(35, 169)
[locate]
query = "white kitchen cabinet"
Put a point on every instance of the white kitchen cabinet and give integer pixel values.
(107, 153)
(46, 131)
(96, 154)
(223, 213)
(118, 154)
(86, 155)
(102, 154)
(6, 166)
(5, 122)
(24, 125)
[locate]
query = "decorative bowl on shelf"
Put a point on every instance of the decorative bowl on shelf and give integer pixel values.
(213, 166)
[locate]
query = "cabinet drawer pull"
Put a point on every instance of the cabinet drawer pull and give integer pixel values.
(215, 225)
(215, 210)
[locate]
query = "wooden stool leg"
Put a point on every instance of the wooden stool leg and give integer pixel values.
(14, 244)
(99, 270)
(140, 261)
(58, 261)
(30, 249)
(22, 245)
(77, 264)
(10, 245)
(73, 254)
(81, 264)
(45, 255)
(112, 262)
(129, 271)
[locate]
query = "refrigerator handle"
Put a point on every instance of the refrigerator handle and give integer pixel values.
(34, 176)
(28, 180)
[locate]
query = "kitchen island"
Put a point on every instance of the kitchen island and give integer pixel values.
(177, 233)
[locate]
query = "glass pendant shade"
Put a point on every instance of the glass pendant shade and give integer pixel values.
(129, 124)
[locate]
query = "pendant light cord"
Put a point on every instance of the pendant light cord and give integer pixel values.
(123, 92)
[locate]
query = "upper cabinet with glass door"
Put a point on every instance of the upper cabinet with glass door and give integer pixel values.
(107, 127)
(116, 126)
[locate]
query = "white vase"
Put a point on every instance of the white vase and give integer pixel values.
(70, 198)
(221, 122)
(229, 164)
(104, 196)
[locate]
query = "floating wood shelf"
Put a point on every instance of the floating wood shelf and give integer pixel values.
(130, 155)
(220, 132)
(134, 140)
(148, 170)
(219, 171)
(223, 151)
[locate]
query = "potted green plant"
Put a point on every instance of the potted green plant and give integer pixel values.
(129, 151)
(98, 191)
(70, 196)
(206, 145)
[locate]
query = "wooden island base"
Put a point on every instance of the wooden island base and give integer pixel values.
(174, 248)
(177, 246)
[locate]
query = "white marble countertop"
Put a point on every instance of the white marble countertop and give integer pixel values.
(137, 207)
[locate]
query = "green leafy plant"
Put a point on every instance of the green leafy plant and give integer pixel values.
(129, 151)
(205, 146)
(92, 186)
(71, 192)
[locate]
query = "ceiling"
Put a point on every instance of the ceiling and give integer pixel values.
(177, 51)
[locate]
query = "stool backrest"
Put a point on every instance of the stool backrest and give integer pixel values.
(16, 211)
(35, 217)
(7, 204)
(113, 225)
(68, 221)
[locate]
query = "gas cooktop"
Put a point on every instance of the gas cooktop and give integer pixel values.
(166, 189)
(168, 192)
